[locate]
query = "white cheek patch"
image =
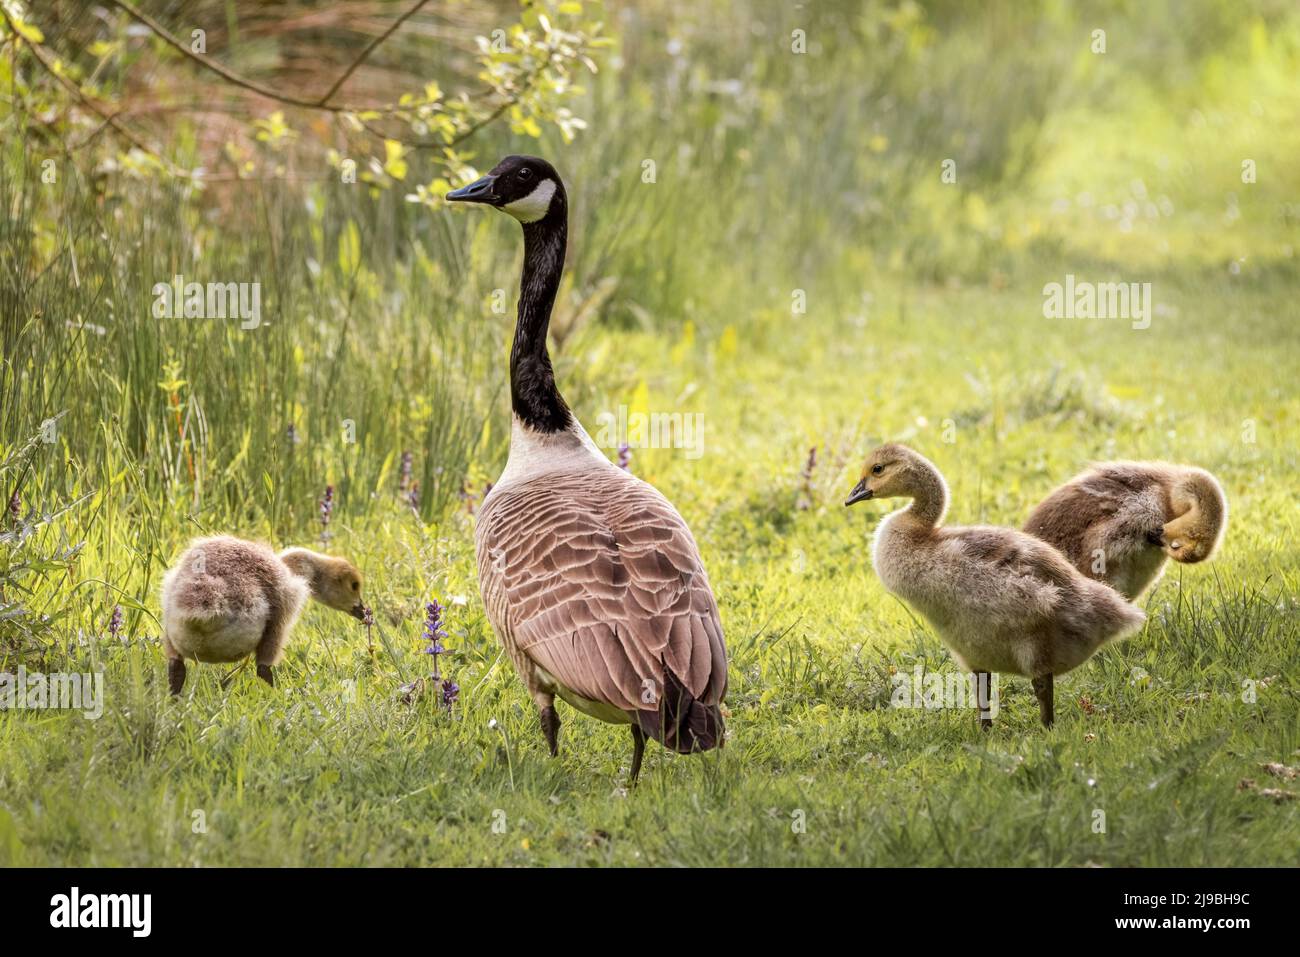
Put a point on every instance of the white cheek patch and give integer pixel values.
(533, 206)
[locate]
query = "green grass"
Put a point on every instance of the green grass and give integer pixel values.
(924, 324)
(311, 774)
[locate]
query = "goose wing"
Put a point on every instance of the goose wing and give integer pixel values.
(1010, 576)
(1124, 500)
(601, 584)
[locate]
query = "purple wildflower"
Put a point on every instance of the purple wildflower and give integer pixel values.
(115, 623)
(369, 621)
(810, 464)
(15, 506)
(404, 474)
(625, 457)
(805, 490)
(411, 690)
(326, 511)
(413, 497)
(450, 692)
(434, 632)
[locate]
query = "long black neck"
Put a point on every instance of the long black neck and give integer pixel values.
(533, 394)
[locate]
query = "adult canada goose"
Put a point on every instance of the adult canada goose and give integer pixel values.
(1118, 522)
(590, 577)
(1001, 600)
(226, 598)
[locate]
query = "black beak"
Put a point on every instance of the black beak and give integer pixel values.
(479, 191)
(358, 611)
(860, 493)
(1156, 537)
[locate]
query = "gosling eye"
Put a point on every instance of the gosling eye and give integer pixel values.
(877, 469)
(356, 586)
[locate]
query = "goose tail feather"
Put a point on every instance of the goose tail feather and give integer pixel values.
(1114, 617)
(682, 722)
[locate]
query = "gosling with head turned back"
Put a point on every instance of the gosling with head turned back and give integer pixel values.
(1001, 600)
(227, 598)
(1119, 522)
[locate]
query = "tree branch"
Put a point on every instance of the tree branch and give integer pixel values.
(230, 76)
(42, 57)
(371, 49)
(323, 103)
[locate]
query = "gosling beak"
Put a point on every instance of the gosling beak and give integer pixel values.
(479, 191)
(358, 611)
(1156, 537)
(860, 493)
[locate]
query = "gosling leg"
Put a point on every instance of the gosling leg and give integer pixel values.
(983, 696)
(638, 752)
(1044, 690)
(176, 674)
(273, 637)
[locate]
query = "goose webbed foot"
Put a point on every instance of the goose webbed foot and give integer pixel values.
(638, 752)
(551, 729)
(176, 675)
(1044, 691)
(264, 672)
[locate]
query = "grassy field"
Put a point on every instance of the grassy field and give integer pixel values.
(931, 331)
(333, 768)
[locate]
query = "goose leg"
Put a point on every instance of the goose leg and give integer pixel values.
(1044, 690)
(638, 752)
(551, 728)
(268, 649)
(983, 692)
(176, 674)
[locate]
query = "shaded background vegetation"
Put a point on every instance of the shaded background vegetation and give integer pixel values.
(772, 171)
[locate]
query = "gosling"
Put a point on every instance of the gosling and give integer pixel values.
(227, 598)
(1000, 599)
(1120, 522)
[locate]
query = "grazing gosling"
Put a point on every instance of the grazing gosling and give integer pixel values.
(1001, 600)
(1119, 522)
(227, 598)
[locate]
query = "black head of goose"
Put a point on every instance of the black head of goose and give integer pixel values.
(589, 575)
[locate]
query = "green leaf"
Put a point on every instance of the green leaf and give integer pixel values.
(28, 32)
(349, 249)
(394, 165)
